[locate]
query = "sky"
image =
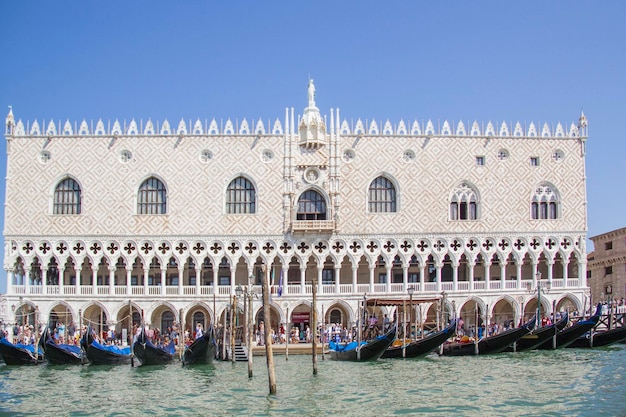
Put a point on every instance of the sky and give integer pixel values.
(531, 61)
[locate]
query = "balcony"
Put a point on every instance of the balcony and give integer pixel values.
(292, 290)
(313, 226)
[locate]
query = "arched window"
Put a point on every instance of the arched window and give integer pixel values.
(463, 203)
(67, 197)
(545, 203)
(311, 206)
(240, 197)
(382, 196)
(152, 198)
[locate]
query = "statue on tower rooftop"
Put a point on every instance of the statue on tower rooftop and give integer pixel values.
(311, 93)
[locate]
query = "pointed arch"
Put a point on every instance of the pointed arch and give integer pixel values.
(67, 197)
(545, 202)
(382, 196)
(464, 202)
(311, 206)
(152, 197)
(241, 196)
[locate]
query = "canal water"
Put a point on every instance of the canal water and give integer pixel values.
(566, 382)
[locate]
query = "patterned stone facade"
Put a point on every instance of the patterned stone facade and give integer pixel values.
(191, 258)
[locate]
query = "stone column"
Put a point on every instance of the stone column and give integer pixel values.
(550, 271)
(371, 268)
(112, 279)
(455, 275)
(438, 267)
(26, 283)
(129, 277)
(422, 272)
(77, 283)
(487, 275)
(565, 266)
(163, 276)
(303, 279)
(470, 274)
(337, 279)
(146, 272)
(405, 277)
(388, 268)
(503, 274)
(94, 280)
(181, 273)
(198, 271)
(518, 267)
(355, 269)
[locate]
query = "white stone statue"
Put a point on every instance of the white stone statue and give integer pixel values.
(311, 93)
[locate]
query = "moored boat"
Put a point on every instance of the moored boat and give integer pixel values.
(364, 351)
(59, 354)
(19, 354)
(602, 338)
(150, 354)
(568, 335)
(202, 350)
(423, 346)
(490, 344)
(539, 336)
(99, 354)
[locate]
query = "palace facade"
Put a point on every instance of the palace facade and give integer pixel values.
(106, 221)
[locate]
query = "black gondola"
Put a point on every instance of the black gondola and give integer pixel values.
(60, 354)
(202, 350)
(149, 354)
(539, 336)
(19, 354)
(99, 354)
(567, 336)
(366, 351)
(423, 346)
(598, 339)
(491, 344)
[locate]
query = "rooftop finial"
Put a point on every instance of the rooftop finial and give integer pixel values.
(10, 121)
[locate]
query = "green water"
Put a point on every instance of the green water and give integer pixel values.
(568, 382)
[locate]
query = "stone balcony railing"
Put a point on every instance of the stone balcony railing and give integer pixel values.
(427, 289)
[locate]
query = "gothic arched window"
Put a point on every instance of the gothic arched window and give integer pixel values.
(67, 197)
(464, 203)
(545, 203)
(382, 196)
(240, 197)
(311, 206)
(152, 197)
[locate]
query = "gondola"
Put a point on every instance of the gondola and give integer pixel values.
(539, 336)
(19, 354)
(365, 351)
(490, 344)
(202, 350)
(567, 336)
(594, 339)
(149, 354)
(423, 346)
(60, 354)
(99, 354)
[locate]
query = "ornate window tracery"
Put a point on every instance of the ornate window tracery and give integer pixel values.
(464, 203)
(311, 206)
(545, 203)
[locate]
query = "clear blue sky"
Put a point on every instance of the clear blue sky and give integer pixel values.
(487, 61)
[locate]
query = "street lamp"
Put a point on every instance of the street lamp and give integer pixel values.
(410, 290)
